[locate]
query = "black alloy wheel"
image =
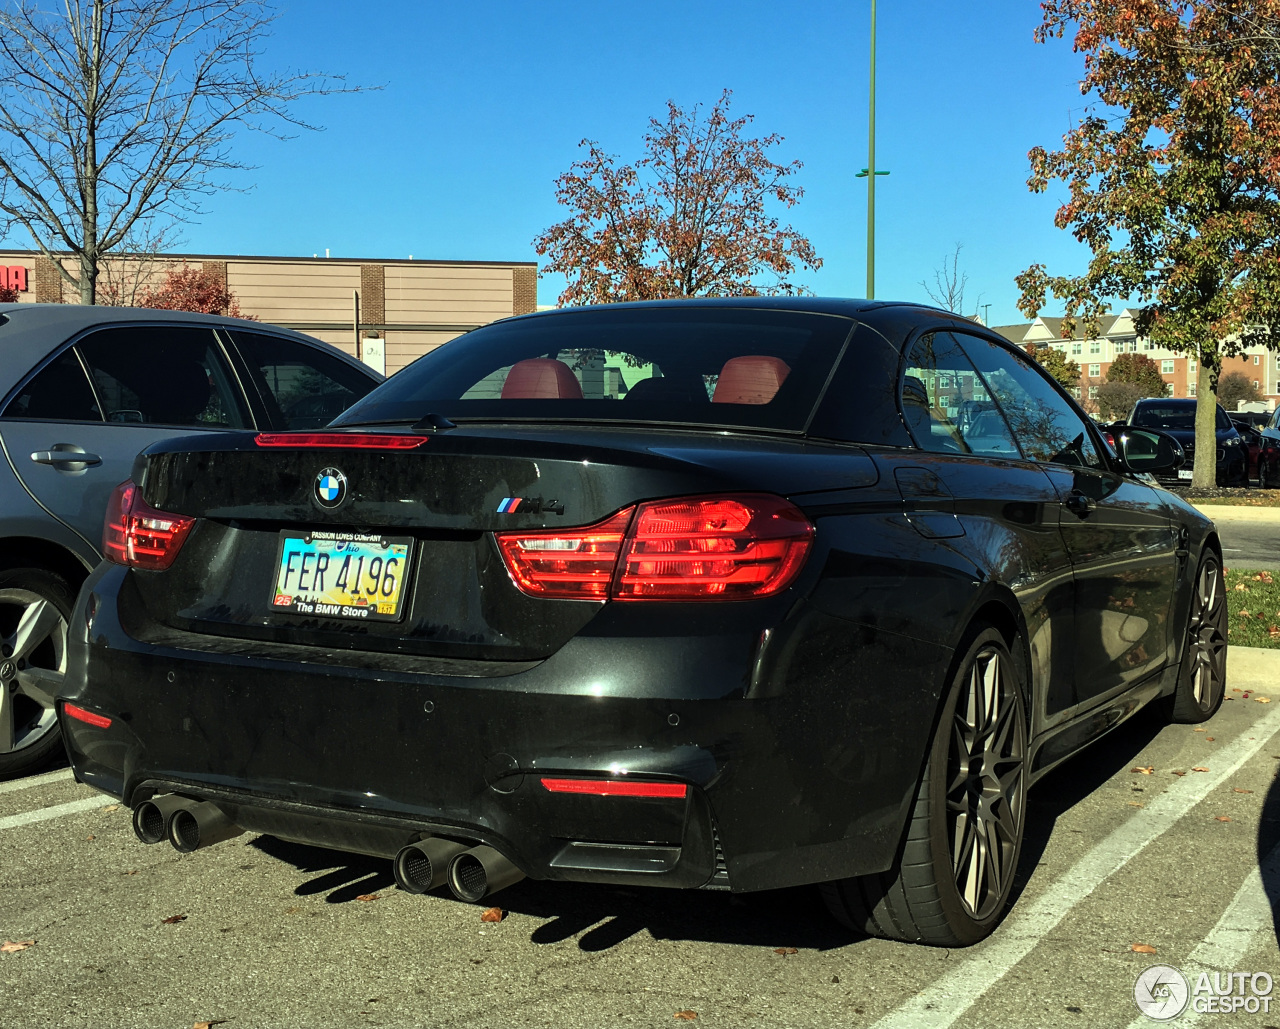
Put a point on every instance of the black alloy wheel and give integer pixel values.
(952, 883)
(1262, 472)
(1202, 677)
(35, 606)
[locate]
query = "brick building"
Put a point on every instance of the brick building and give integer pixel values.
(406, 307)
(1118, 336)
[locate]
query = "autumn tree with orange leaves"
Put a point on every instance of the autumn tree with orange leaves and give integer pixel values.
(690, 218)
(1173, 179)
(192, 289)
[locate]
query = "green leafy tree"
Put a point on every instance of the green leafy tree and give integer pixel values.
(1141, 371)
(1235, 387)
(1057, 364)
(1173, 179)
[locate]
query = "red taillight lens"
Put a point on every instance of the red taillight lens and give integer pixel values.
(341, 440)
(88, 717)
(616, 787)
(577, 564)
(713, 547)
(735, 547)
(135, 534)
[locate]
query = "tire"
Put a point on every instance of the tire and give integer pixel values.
(951, 886)
(1202, 677)
(1262, 474)
(35, 606)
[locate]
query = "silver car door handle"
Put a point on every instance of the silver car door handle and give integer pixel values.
(65, 454)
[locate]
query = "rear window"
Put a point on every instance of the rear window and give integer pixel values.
(698, 366)
(1173, 416)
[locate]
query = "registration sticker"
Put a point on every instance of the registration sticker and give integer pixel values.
(341, 575)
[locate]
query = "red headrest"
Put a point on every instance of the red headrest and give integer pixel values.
(752, 379)
(541, 378)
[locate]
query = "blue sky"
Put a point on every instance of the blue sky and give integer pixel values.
(485, 102)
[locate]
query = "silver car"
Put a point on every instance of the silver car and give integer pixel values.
(84, 390)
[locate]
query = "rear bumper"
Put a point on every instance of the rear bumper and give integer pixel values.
(794, 775)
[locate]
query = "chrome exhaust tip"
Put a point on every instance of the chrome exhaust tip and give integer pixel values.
(476, 873)
(424, 865)
(200, 825)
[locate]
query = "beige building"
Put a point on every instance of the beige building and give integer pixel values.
(1117, 336)
(386, 312)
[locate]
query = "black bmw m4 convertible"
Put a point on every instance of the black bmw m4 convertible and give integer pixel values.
(724, 594)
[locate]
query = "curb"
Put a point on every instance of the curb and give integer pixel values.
(1255, 665)
(1229, 513)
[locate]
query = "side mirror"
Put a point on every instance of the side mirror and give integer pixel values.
(1143, 450)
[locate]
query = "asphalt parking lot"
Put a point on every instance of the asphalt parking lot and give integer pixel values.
(258, 932)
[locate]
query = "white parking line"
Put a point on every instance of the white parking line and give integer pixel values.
(43, 814)
(1248, 914)
(950, 996)
(35, 780)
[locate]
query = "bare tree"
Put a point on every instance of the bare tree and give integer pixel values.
(120, 112)
(949, 283)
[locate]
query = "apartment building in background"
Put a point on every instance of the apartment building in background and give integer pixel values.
(386, 312)
(1117, 336)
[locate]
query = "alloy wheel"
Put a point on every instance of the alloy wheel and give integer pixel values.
(1207, 636)
(33, 663)
(985, 791)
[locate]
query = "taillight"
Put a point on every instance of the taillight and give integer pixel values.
(135, 534)
(737, 547)
(577, 564)
(88, 717)
(617, 787)
(341, 440)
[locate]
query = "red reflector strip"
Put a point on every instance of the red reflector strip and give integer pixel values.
(341, 440)
(616, 787)
(88, 717)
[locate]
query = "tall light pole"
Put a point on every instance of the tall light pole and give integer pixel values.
(869, 172)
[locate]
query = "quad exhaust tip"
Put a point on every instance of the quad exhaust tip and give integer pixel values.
(424, 865)
(476, 873)
(151, 817)
(186, 823)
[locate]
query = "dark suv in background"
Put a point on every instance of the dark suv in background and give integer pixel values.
(1177, 417)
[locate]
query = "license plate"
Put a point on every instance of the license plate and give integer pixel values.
(341, 575)
(1184, 473)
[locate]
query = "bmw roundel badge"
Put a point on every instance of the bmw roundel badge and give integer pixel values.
(331, 487)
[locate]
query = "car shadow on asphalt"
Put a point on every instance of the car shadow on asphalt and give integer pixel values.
(1269, 841)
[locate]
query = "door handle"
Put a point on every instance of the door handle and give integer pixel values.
(1078, 504)
(66, 457)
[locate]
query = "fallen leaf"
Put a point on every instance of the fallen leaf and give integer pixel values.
(1208, 739)
(173, 919)
(13, 946)
(492, 915)
(1199, 768)
(1264, 577)
(1136, 803)
(112, 807)
(1237, 789)
(685, 1016)
(1222, 818)
(1242, 588)
(1263, 700)
(1205, 730)
(1234, 689)
(1273, 631)
(1145, 771)
(1142, 948)
(1245, 614)
(784, 951)
(210, 1024)
(366, 897)
(1179, 771)
(90, 838)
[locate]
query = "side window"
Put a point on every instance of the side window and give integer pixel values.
(946, 403)
(163, 375)
(1045, 425)
(61, 392)
(302, 386)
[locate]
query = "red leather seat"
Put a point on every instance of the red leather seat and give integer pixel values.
(751, 379)
(541, 378)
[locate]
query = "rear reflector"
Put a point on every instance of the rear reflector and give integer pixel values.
(88, 717)
(135, 534)
(616, 787)
(340, 440)
(734, 547)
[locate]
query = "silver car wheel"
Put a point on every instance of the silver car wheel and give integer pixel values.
(1207, 638)
(33, 663)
